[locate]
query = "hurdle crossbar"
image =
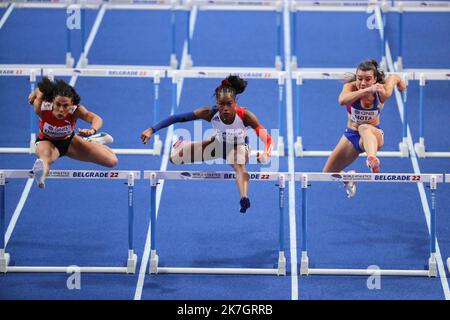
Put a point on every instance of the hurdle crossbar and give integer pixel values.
(447, 178)
(52, 4)
(306, 178)
(121, 72)
(332, 6)
(238, 5)
(302, 74)
(130, 176)
(416, 6)
(223, 5)
(155, 176)
(365, 6)
(247, 73)
(422, 75)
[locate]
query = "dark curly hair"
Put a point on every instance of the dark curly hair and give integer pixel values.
(232, 84)
(51, 89)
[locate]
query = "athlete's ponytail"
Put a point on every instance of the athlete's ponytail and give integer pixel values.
(368, 65)
(51, 89)
(232, 84)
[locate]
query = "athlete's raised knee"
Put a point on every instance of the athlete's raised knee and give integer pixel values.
(176, 156)
(363, 128)
(111, 162)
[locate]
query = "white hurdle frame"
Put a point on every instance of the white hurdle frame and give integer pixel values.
(400, 7)
(423, 75)
(130, 176)
(247, 73)
(155, 176)
(325, 6)
(237, 5)
(120, 72)
(433, 179)
(368, 6)
(83, 5)
(123, 72)
(169, 5)
(339, 74)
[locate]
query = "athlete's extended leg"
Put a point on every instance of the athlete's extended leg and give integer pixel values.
(46, 154)
(342, 156)
(238, 157)
(190, 152)
(371, 141)
(82, 150)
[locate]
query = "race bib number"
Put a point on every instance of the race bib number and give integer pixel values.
(56, 132)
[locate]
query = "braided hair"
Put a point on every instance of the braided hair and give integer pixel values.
(232, 85)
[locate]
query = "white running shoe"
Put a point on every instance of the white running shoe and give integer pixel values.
(101, 138)
(38, 171)
(350, 187)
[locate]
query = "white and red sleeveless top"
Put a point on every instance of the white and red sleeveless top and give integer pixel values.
(234, 133)
(52, 127)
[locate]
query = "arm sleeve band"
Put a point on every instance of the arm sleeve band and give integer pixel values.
(189, 116)
(265, 137)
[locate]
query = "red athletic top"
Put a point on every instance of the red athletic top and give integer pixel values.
(53, 128)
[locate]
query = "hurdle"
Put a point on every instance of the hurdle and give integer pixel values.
(129, 72)
(118, 72)
(72, 7)
(148, 5)
(247, 73)
(155, 176)
(55, 5)
(296, 6)
(423, 76)
(340, 74)
(130, 176)
(432, 179)
(236, 5)
(410, 6)
(31, 73)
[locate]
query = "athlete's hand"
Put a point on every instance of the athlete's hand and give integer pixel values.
(86, 132)
(34, 95)
(401, 85)
(146, 135)
(262, 157)
(31, 98)
(377, 87)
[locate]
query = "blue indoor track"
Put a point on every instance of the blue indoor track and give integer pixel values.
(84, 222)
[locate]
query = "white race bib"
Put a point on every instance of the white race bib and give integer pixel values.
(56, 132)
(363, 116)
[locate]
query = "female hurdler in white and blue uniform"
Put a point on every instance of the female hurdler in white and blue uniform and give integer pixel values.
(230, 141)
(364, 97)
